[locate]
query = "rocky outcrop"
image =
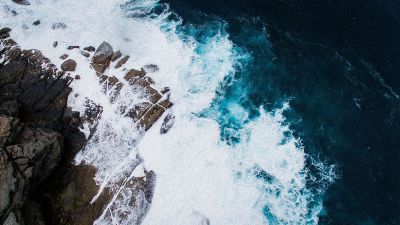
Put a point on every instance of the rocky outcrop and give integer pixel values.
(36, 132)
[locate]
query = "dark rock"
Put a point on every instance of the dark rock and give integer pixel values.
(10, 108)
(72, 47)
(68, 65)
(151, 68)
(65, 56)
(102, 57)
(165, 90)
(134, 75)
(58, 26)
(166, 104)
(22, 2)
(139, 110)
(37, 22)
(55, 44)
(4, 33)
(77, 77)
(116, 56)
(89, 49)
(167, 123)
(151, 116)
(85, 53)
(122, 62)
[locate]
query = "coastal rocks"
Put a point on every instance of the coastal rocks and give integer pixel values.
(89, 49)
(122, 62)
(68, 65)
(22, 2)
(167, 123)
(102, 57)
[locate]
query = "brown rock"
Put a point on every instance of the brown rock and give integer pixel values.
(133, 75)
(139, 110)
(122, 62)
(151, 116)
(116, 56)
(102, 57)
(89, 49)
(68, 65)
(166, 104)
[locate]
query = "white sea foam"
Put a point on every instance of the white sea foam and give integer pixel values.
(200, 180)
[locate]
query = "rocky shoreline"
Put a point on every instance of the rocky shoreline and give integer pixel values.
(40, 135)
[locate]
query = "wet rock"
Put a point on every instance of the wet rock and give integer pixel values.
(122, 62)
(166, 104)
(77, 77)
(116, 56)
(167, 123)
(134, 75)
(85, 53)
(4, 32)
(151, 68)
(22, 2)
(72, 47)
(151, 116)
(138, 111)
(102, 57)
(58, 26)
(64, 56)
(89, 49)
(68, 65)
(37, 22)
(165, 90)
(55, 44)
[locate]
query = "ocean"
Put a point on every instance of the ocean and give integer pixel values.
(286, 112)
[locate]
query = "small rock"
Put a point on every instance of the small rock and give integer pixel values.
(55, 44)
(165, 90)
(21, 2)
(4, 33)
(64, 56)
(37, 22)
(151, 68)
(116, 55)
(122, 62)
(77, 77)
(68, 65)
(85, 53)
(102, 57)
(167, 123)
(89, 49)
(72, 47)
(58, 26)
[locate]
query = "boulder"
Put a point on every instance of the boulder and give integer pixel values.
(116, 55)
(89, 49)
(68, 65)
(122, 62)
(102, 57)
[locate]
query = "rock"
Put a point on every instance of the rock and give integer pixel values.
(64, 56)
(85, 53)
(89, 49)
(151, 68)
(116, 56)
(151, 116)
(72, 47)
(10, 108)
(58, 26)
(6, 182)
(55, 44)
(134, 75)
(165, 90)
(37, 22)
(102, 57)
(77, 77)
(68, 65)
(122, 62)
(22, 2)
(138, 111)
(4, 32)
(167, 123)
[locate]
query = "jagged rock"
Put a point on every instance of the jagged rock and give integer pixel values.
(116, 55)
(89, 49)
(69, 200)
(166, 104)
(151, 68)
(167, 123)
(151, 116)
(58, 26)
(64, 56)
(102, 57)
(37, 22)
(165, 90)
(68, 65)
(22, 2)
(55, 44)
(138, 111)
(72, 47)
(6, 182)
(122, 62)
(134, 75)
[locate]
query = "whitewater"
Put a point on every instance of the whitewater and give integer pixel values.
(200, 179)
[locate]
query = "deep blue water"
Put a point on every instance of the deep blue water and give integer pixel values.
(337, 63)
